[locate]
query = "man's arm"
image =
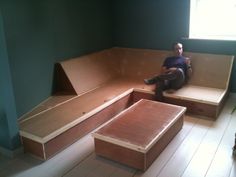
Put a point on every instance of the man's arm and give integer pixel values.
(164, 70)
(189, 68)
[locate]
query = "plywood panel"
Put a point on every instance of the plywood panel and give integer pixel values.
(90, 71)
(211, 70)
(35, 148)
(141, 63)
(196, 108)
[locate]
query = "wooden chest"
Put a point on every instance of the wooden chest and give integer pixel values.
(139, 134)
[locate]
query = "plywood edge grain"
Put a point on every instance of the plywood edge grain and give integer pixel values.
(143, 91)
(119, 142)
(31, 136)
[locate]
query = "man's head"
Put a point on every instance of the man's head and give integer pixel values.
(178, 49)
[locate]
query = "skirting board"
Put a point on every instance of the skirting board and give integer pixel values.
(11, 153)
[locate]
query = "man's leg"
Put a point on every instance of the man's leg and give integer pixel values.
(160, 84)
(169, 76)
(153, 80)
(173, 80)
(150, 81)
(179, 81)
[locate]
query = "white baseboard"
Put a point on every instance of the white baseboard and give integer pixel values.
(11, 153)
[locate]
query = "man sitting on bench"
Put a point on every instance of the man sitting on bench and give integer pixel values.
(175, 72)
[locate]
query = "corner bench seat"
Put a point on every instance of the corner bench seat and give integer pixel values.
(100, 85)
(72, 112)
(49, 129)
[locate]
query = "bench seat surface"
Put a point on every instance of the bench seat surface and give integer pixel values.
(129, 130)
(50, 103)
(197, 93)
(68, 114)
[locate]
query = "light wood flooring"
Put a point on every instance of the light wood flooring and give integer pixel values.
(203, 148)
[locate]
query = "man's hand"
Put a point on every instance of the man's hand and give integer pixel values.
(164, 70)
(188, 61)
(189, 68)
(170, 70)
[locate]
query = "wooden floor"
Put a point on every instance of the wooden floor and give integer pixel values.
(203, 148)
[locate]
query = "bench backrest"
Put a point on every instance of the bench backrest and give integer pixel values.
(140, 63)
(209, 70)
(88, 72)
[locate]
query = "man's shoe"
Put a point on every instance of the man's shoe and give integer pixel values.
(147, 81)
(150, 81)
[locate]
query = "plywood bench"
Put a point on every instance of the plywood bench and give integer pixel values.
(50, 131)
(127, 139)
(91, 89)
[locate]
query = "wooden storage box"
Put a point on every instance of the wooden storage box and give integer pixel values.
(138, 135)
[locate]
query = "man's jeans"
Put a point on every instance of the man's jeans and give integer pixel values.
(173, 80)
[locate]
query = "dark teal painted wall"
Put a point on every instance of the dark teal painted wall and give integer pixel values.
(149, 23)
(156, 24)
(30, 50)
(35, 35)
(82, 27)
(39, 33)
(8, 120)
